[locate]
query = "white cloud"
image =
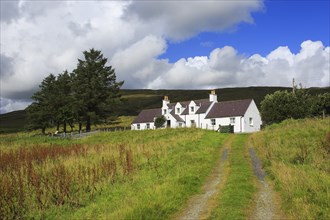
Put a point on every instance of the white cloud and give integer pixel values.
(134, 64)
(225, 68)
(179, 20)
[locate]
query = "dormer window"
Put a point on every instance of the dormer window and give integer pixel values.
(178, 110)
(192, 109)
(165, 111)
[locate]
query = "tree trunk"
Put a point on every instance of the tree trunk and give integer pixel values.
(71, 126)
(58, 126)
(64, 126)
(43, 130)
(88, 124)
(80, 125)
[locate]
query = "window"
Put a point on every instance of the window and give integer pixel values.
(232, 121)
(165, 111)
(138, 126)
(192, 109)
(212, 121)
(178, 110)
(251, 121)
(148, 126)
(180, 125)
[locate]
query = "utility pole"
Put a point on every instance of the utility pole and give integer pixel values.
(293, 86)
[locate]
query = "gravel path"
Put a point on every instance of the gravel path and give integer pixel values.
(264, 209)
(197, 205)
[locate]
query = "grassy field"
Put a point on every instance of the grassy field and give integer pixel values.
(129, 174)
(152, 174)
(236, 196)
(296, 155)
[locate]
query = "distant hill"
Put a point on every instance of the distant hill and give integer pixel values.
(137, 99)
(13, 121)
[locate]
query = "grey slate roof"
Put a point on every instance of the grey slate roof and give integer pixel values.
(177, 117)
(171, 105)
(147, 115)
(186, 111)
(229, 108)
(219, 110)
(201, 101)
(204, 107)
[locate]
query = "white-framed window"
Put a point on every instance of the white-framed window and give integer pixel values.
(148, 126)
(180, 125)
(178, 110)
(192, 122)
(138, 126)
(213, 121)
(192, 109)
(251, 121)
(165, 111)
(232, 121)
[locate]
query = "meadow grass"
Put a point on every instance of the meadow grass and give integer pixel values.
(236, 196)
(126, 175)
(296, 155)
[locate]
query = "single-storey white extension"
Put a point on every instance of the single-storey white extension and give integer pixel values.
(204, 113)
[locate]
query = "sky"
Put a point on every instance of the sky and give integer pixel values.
(165, 44)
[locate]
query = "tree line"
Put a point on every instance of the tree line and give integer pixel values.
(297, 104)
(87, 95)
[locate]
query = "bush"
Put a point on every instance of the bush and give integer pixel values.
(160, 121)
(283, 105)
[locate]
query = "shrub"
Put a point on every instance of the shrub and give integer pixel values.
(159, 122)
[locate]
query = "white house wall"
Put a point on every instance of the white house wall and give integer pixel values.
(174, 123)
(189, 118)
(143, 126)
(252, 112)
(238, 127)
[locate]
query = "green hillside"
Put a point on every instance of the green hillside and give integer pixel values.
(13, 121)
(137, 99)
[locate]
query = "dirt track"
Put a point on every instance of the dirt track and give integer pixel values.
(198, 206)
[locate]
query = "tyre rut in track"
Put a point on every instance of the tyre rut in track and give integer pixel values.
(197, 207)
(265, 208)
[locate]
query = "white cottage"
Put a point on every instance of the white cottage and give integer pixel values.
(204, 113)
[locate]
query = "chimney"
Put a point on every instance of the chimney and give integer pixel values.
(165, 101)
(213, 96)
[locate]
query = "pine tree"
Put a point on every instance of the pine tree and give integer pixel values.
(95, 90)
(42, 112)
(64, 100)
